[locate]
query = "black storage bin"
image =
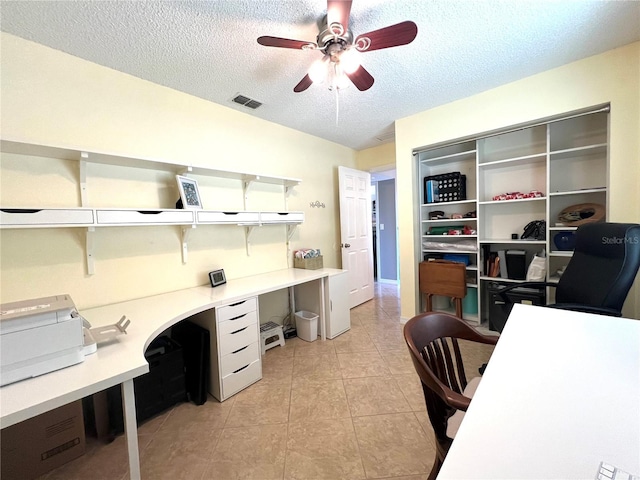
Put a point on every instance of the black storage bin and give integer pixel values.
(195, 344)
(452, 187)
(499, 310)
(161, 388)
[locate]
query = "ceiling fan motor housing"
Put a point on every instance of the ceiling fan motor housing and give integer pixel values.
(333, 39)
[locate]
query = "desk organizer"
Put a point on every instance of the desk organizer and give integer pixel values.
(308, 263)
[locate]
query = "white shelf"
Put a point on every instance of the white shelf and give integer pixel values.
(449, 158)
(562, 229)
(452, 237)
(75, 153)
(561, 253)
(579, 192)
(515, 242)
(516, 161)
(507, 202)
(499, 279)
(457, 202)
(571, 152)
(452, 250)
(451, 220)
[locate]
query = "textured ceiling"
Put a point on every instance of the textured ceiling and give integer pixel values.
(209, 49)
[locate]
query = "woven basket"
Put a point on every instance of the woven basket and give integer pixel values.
(308, 263)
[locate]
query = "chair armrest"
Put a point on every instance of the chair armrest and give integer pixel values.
(576, 307)
(456, 400)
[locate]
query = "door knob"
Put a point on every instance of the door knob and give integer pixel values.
(345, 245)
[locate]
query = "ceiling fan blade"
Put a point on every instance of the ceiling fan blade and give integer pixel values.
(361, 79)
(303, 84)
(338, 12)
(392, 36)
(285, 43)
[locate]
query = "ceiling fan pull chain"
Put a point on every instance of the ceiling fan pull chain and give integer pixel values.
(337, 104)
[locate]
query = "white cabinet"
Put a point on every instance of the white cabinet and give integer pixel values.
(234, 348)
(336, 302)
(46, 217)
(552, 164)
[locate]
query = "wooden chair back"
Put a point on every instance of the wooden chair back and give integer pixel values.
(432, 339)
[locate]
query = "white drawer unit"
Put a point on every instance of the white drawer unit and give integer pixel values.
(143, 217)
(205, 216)
(233, 383)
(235, 347)
(236, 309)
(45, 217)
(281, 217)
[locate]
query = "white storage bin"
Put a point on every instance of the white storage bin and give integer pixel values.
(307, 325)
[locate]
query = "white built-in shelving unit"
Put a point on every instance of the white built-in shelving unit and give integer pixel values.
(565, 158)
(83, 216)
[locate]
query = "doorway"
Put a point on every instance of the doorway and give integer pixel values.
(384, 225)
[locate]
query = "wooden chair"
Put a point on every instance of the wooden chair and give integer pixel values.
(441, 277)
(432, 339)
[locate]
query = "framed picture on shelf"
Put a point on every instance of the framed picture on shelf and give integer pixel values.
(189, 194)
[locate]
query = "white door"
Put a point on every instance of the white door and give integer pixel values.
(355, 233)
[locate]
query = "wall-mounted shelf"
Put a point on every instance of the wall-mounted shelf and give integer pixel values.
(92, 218)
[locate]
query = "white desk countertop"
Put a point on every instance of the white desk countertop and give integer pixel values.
(560, 394)
(123, 359)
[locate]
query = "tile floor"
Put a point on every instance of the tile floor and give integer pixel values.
(347, 408)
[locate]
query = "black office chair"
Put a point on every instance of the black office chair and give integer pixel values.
(601, 271)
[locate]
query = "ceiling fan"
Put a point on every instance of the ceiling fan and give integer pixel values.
(340, 48)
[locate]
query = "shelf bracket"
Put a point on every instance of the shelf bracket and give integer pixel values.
(248, 230)
(186, 232)
(186, 171)
(84, 156)
(247, 183)
(291, 229)
(89, 250)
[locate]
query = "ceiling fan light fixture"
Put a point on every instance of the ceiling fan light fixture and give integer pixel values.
(350, 60)
(318, 70)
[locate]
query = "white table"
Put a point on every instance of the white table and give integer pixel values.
(560, 394)
(121, 361)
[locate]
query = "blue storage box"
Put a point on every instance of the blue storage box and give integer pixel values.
(457, 257)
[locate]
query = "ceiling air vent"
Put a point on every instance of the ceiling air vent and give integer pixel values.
(246, 101)
(386, 136)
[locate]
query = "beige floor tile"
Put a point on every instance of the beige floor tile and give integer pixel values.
(318, 347)
(425, 423)
(411, 388)
(393, 445)
(277, 369)
(324, 399)
(315, 367)
(170, 450)
(398, 361)
(256, 452)
(323, 449)
(374, 396)
(188, 417)
(362, 364)
(355, 340)
(286, 351)
(261, 404)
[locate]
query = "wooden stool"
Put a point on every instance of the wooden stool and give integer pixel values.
(441, 277)
(267, 331)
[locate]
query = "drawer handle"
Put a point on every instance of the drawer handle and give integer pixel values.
(238, 303)
(150, 212)
(20, 210)
(238, 331)
(230, 213)
(239, 316)
(240, 369)
(240, 349)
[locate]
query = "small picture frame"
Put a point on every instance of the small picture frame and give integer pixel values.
(189, 194)
(217, 277)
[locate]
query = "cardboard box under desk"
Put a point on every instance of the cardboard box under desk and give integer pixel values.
(38, 445)
(308, 263)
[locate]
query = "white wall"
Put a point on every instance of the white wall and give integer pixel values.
(49, 97)
(612, 77)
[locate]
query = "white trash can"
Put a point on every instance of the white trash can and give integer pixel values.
(307, 325)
